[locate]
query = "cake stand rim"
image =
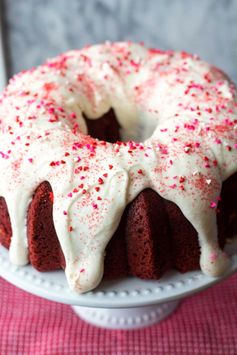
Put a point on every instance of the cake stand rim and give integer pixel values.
(140, 293)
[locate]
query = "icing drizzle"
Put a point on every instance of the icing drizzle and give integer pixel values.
(181, 109)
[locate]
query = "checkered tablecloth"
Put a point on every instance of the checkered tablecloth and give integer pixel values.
(203, 324)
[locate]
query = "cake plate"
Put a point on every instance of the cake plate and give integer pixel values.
(126, 303)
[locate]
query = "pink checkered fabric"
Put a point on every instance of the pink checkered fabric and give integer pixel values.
(203, 324)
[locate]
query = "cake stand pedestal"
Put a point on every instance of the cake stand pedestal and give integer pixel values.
(126, 318)
(127, 303)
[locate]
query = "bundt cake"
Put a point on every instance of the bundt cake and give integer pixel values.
(118, 160)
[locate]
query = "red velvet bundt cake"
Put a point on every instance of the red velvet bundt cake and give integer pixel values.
(120, 160)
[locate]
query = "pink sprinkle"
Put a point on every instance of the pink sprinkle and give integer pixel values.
(51, 110)
(82, 270)
(95, 206)
(189, 127)
(30, 160)
(134, 64)
(173, 186)
(73, 115)
(228, 122)
(65, 213)
(217, 141)
(213, 256)
(213, 204)
(69, 194)
(4, 156)
(163, 149)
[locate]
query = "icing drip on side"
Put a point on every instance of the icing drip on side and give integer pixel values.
(189, 104)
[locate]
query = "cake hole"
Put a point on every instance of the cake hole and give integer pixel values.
(105, 128)
(108, 128)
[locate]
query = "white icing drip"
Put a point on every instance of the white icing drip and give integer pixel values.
(189, 105)
(17, 208)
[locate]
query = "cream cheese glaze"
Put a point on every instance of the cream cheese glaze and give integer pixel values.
(182, 110)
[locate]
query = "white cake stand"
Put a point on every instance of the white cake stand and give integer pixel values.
(122, 304)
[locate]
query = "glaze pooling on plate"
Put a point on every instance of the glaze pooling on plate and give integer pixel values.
(182, 110)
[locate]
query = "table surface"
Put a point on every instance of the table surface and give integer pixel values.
(203, 324)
